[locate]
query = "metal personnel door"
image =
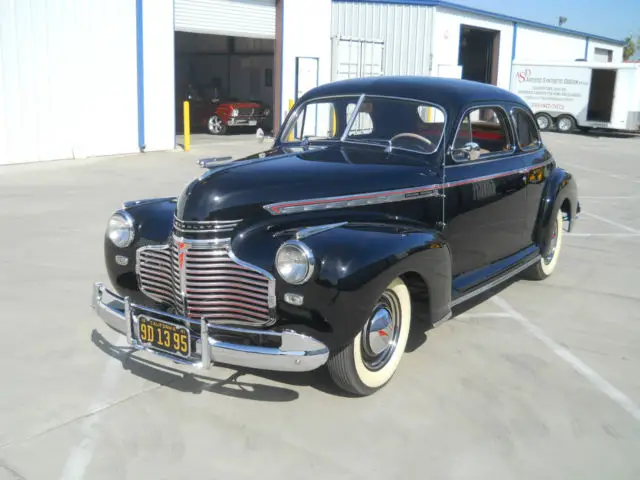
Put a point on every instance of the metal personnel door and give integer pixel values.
(357, 58)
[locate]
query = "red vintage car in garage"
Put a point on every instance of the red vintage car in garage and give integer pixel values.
(217, 115)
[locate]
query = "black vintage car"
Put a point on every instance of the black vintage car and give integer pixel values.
(382, 204)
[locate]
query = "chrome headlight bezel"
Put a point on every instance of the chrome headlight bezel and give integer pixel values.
(305, 252)
(122, 221)
(235, 112)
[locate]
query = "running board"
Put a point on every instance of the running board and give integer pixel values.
(496, 281)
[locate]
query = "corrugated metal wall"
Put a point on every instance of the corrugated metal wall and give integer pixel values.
(254, 18)
(68, 82)
(403, 29)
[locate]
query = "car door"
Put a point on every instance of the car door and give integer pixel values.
(537, 162)
(485, 193)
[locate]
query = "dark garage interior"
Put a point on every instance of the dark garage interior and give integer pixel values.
(478, 54)
(211, 70)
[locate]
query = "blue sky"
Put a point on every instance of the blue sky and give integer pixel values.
(612, 18)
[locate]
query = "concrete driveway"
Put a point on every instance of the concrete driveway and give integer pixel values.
(540, 380)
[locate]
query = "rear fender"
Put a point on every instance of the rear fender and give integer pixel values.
(560, 187)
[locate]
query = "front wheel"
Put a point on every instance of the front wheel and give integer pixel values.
(369, 361)
(544, 121)
(565, 123)
(216, 126)
(547, 264)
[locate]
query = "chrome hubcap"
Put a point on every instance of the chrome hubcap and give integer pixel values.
(380, 334)
(215, 124)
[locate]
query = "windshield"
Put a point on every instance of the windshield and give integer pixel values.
(407, 124)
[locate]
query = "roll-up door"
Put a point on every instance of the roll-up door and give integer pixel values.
(239, 18)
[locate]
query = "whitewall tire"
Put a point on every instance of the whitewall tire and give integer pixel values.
(547, 264)
(369, 361)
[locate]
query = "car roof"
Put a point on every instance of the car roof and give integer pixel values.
(450, 93)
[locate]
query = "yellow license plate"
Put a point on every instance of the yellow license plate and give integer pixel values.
(169, 338)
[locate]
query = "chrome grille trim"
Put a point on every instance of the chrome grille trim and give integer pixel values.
(213, 226)
(213, 283)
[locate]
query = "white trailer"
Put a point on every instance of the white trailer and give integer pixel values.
(582, 95)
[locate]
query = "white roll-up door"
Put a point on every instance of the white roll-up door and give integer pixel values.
(239, 18)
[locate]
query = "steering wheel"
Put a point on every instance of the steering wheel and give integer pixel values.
(412, 135)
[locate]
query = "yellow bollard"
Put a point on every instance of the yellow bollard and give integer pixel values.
(187, 125)
(290, 136)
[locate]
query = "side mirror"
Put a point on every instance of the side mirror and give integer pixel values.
(470, 151)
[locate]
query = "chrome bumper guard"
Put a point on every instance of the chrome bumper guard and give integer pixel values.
(297, 352)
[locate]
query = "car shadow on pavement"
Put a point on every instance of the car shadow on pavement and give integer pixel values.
(318, 379)
(191, 382)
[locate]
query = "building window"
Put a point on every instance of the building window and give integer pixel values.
(603, 55)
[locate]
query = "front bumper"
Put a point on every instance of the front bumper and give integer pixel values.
(244, 121)
(297, 352)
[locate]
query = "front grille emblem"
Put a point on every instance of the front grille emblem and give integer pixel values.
(182, 250)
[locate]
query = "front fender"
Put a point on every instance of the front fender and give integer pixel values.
(153, 220)
(559, 187)
(354, 264)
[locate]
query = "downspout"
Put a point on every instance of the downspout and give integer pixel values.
(140, 71)
(586, 50)
(513, 52)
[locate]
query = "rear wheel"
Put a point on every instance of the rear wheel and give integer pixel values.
(369, 361)
(547, 264)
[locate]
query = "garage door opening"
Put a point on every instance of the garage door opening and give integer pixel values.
(229, 82)
(478, 54)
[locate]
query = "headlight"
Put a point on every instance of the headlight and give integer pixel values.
(120, 229)
(235, 112)
(266, 112)
(295, 262)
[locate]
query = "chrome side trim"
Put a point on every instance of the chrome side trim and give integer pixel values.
(309, 231)
(354, 200)
(389, 196)
(495, 282)
(297, 352)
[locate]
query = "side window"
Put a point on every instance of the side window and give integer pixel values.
(525, 130)
(484, 131)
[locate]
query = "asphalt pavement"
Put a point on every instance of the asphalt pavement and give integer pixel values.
(539, 380)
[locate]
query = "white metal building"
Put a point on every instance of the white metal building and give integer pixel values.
(103, 77)
(440, 38)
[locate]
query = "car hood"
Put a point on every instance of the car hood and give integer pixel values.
(242, 188)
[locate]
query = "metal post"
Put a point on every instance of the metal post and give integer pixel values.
(187, 125)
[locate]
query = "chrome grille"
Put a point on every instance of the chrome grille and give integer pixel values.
(209, 282)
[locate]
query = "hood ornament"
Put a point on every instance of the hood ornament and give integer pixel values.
(214, 161)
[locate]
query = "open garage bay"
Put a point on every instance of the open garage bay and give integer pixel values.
(540, 380)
